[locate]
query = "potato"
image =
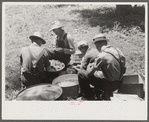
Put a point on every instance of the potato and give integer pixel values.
(56, 65)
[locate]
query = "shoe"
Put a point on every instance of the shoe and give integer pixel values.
(80, 95)
(98, 94)
(81, 99)
(106, 95)
(111, 94)
(85, 98)
(89, 97)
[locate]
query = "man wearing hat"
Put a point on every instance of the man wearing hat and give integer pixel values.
(89, 54)
(34, 60)
(104, 73)
(64, 44)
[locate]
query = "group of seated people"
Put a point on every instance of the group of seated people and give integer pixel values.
(102, 66)
(35, 60)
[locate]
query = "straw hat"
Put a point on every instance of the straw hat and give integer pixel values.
(100, 37)
(37, 35)
(55, 25)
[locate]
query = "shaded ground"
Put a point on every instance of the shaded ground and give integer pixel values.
(106, 16)
(82, 22)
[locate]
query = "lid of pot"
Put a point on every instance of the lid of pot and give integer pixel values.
(40, 92)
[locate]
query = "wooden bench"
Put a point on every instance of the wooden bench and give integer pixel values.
(133, 84)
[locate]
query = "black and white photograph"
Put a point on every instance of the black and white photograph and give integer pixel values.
(74, 60)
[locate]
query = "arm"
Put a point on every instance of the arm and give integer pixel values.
(91, 69)
(47, 63)
(71, 46)
(23, 61)
(77, 68)
(95, 66)
(85, 62)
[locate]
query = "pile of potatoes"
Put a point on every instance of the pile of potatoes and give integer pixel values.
(56, 65)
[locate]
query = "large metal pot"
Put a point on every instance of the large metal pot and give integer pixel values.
(40, 92)
(69, 92)
(54, 74)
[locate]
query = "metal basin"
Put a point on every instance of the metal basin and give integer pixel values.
(41, 92)
(70, 91)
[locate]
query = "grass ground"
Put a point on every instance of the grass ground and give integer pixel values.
(82, 22)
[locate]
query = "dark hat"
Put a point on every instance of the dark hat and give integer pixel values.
(37, 35)
(100, 37)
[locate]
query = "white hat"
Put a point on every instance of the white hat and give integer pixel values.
(55, 25)
(82, 43)
(100, 37)
(79, 44)
(37, 35)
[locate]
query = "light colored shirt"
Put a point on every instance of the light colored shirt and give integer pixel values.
(26, 60)
(109, 66)
(89, 57)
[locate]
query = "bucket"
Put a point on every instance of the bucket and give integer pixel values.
(70, 91)
(40, 92)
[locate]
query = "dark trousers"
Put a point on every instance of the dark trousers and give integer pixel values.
(53, 54)
(85, 80)
(27, 79)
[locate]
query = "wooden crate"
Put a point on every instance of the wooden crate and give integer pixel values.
(132, 84)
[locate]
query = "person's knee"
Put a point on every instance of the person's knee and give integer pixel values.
(82, 74)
